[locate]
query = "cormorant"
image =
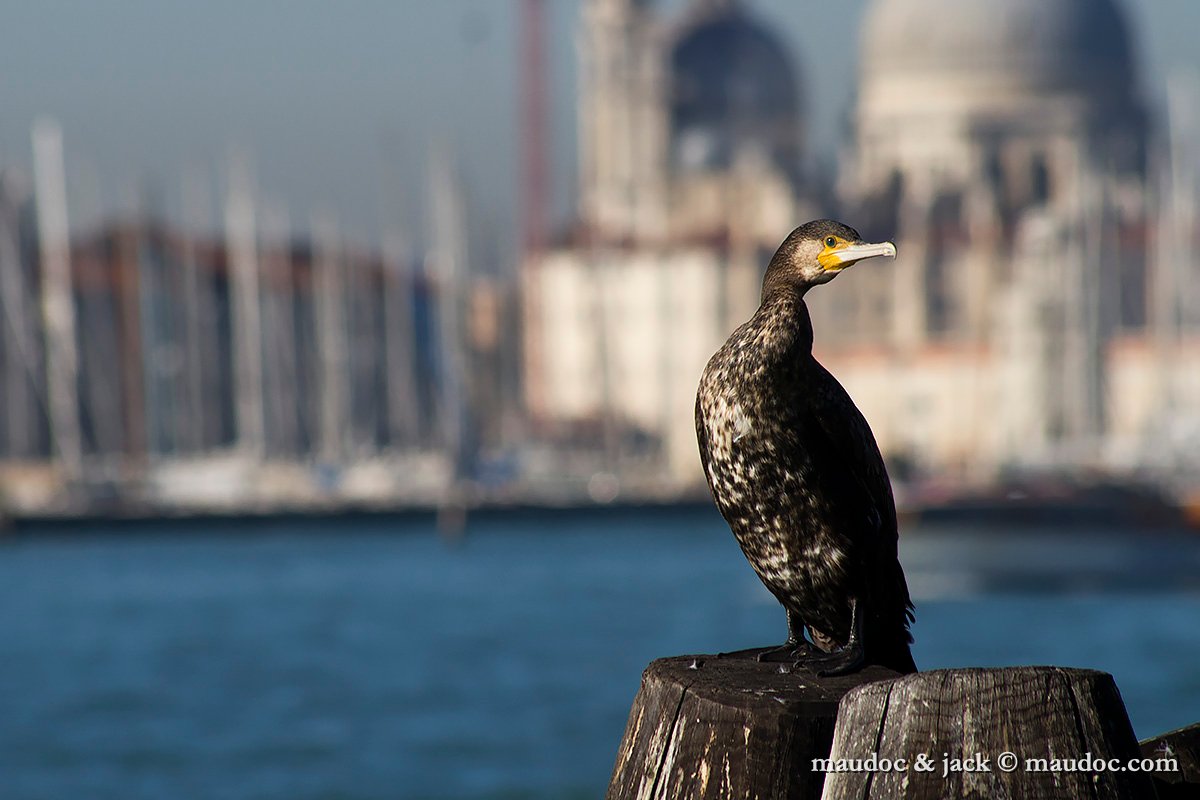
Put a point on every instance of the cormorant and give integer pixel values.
(795, 471)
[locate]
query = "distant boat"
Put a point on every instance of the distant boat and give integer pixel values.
(1051, 501)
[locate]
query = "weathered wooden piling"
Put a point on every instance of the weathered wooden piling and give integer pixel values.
(1183, 746)
(708, 727)
(987, 733)
(729, 726)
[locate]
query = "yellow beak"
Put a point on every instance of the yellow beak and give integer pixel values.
(852, 254)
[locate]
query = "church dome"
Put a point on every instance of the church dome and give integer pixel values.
(733, 93)
(944, 83)
(1047, 45)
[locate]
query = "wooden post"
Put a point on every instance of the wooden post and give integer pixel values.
(1030, 712)
(708, 727)
(1183, 746)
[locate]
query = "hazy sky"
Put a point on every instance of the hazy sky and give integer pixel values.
(339, 102)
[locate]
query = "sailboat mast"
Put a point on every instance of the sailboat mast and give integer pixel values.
(449, 259)
(242, 243)
(330, 313)
(192, 427)
(282, 390)
(20, 343)
(398, 336)
(58, 299)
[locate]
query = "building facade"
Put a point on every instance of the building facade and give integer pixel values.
(1009, 155)
(689, 152)
(1042, 304)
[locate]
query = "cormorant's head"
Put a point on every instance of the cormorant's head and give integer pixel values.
(816, 252)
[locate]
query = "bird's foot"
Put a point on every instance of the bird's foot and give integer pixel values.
(788, 651)
(842, 661)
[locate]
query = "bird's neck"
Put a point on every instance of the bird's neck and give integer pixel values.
(785, 328)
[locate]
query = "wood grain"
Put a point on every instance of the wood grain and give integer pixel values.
(1032, 712)
(1183, 745)
(721, 727)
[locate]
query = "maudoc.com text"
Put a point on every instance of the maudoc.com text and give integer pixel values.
(1004, 762)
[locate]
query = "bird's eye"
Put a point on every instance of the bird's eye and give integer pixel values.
(831, 242)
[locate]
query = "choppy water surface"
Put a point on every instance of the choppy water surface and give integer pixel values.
(373, 660)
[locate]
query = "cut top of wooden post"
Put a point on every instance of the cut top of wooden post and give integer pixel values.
(1182, 746)
(1014, 732)
(729, 726)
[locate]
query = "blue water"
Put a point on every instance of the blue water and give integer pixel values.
(373, 660)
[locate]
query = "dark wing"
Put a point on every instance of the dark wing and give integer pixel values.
(849, 449)
(853, 444)
(702, 440)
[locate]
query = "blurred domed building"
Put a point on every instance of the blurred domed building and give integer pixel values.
(733, 94)
(1005, 91)
(678, 115)
(690, 159)
(1004, 146)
